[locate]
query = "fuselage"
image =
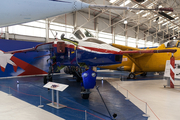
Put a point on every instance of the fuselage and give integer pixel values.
(88, 53)
(15, 12)
(155, 62)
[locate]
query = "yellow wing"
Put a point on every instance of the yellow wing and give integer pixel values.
(133, 53)
(122, 47)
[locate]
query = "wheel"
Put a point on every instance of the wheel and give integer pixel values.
(131, 76)
(74, 76)
(144, 74)
(78, 79)
(85, 95)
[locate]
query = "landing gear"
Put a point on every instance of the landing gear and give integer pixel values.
(144, 74)
(76, 71)
(47, 79)
(131, 76)
(77, 76)
(87, 79)
(85, 93)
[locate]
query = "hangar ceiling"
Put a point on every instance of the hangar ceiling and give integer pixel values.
(154, 26)
(161, 25)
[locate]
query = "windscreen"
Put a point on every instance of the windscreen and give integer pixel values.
(172, 43)
(79, 35)
(87, 33)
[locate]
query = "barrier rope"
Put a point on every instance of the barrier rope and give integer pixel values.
(139, 100)
(51, 101)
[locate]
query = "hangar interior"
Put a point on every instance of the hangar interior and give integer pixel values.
(143, 28)
(126, 27)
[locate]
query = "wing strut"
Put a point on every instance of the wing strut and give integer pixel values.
(134, 61)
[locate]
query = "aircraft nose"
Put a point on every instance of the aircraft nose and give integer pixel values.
(78, 5)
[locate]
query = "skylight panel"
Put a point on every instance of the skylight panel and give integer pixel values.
(146, 14)
(140, 12)
(111, 1)
(125, 3)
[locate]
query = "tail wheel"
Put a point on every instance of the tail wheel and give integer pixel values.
(132, 76)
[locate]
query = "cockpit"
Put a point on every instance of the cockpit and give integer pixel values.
(86, 36)
(172, 43)
(82, 33)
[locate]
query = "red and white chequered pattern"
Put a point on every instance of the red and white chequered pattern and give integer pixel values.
(172, 72)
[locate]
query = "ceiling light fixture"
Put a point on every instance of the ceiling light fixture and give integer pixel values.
(125, 22)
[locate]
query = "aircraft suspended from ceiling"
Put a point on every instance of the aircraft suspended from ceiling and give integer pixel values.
(15, 12)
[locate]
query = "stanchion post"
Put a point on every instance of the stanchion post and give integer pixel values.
(10, 92)
(172, 71)
(40, 102)
(146, 115)
(85, 115)
(127, 96)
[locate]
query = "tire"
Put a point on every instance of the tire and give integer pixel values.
(84, 96)
(131, 76)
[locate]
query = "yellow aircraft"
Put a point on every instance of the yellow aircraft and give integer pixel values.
(145, 62)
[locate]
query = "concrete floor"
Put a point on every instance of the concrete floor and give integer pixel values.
(164, 102)
(12, 108)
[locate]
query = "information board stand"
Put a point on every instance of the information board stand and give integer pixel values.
(56, 87)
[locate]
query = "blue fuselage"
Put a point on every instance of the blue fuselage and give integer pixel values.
(77, 56)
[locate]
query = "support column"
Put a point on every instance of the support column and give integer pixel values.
(96, 27)
(47, 30)
(113, 33)
(136, 36)
(7, 33)
(75, 20)
(125, 34)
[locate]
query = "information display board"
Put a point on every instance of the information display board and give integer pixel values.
(56, 86)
